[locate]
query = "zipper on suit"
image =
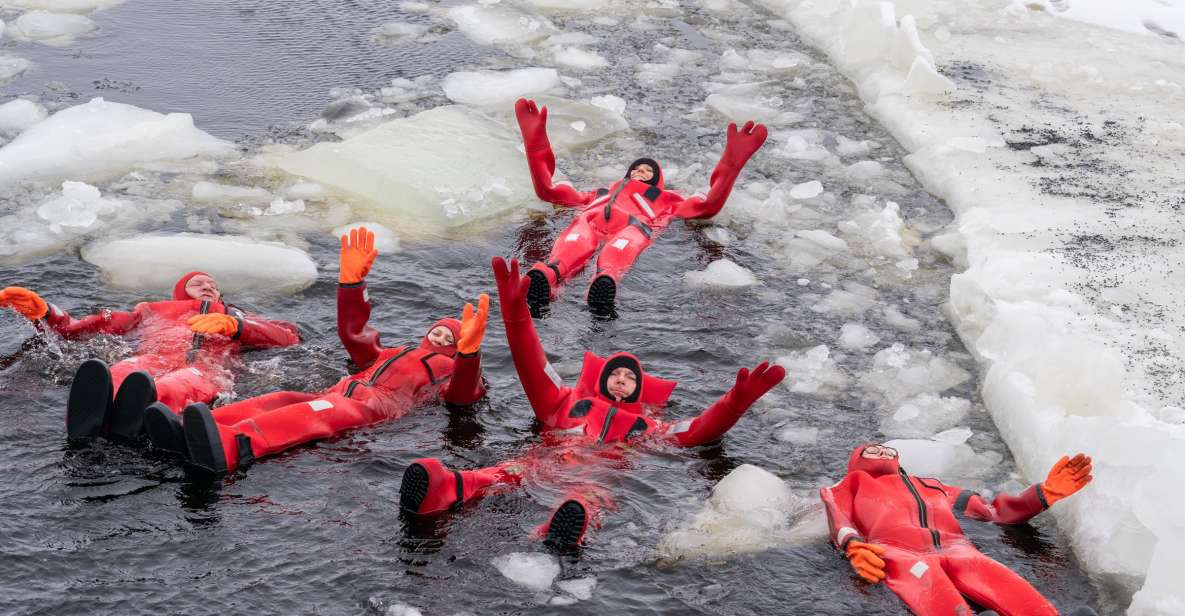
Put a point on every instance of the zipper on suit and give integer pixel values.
(607, 424)
(921, 509)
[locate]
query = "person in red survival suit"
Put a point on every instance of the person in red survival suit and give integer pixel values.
(904, 530)
(393, 380)
(186, 344)
(624, 216)
(607, 405)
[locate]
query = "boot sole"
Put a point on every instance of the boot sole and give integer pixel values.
(133, 397)
(538, 293)
(602, 295)
(202, 439)
(164, 429)
(90, 399)
(567, 525)
(414, 488)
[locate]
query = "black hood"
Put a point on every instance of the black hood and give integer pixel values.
(656, 179)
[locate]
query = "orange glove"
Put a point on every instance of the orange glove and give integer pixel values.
(1066, 477)
(473, 326)
(24, 301)
(357, 255)
(866, 561)
(216, 323)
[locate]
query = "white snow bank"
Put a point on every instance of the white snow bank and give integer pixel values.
(535, 571)
(1163, 17)
(18, 114)
(1072, 295)
(440, 168)
(498, 88)
(55, 29)
(155, 262)
(385, 240)
(99, 138)
(722, 275)
(749, 510)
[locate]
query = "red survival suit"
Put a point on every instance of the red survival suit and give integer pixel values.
(627, 214)
(392, 382)
(578, 419)
(929, 563)
(186, 367)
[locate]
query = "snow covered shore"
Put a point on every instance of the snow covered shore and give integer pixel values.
(1057, 145)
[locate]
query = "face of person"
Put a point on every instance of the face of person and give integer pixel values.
(441, 336)
(879, 452)
(622, 383)
(202, 287)
(642, 173)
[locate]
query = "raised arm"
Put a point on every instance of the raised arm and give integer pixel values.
(864, 558)
(725, 412)
(532, 121)
(1065, 478)
(47, 316)
(739, 148)
(353, 302)
(542, 385)
(466, 386)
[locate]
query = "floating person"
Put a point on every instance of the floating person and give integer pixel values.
(904, 530)
(445, 365)
(609, 404)
(624, 217)
(186, 346)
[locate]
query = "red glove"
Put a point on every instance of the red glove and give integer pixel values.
(752, 385)
(532, 121)
(866, 561)
(357, 255)
(743, 143)
(473, 325)
(24, 301)
(216, 323)
(512, 289)
(1066, 477)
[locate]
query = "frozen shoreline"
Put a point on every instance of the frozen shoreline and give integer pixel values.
(1057, 152)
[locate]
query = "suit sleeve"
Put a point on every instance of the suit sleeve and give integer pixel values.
(541, 162)
(1004, 509)
(710, 425)
(837, 501)
(258, 332)
(466, 386)
(105, 322)
(545, 391)
(719, 188)
(353, 312)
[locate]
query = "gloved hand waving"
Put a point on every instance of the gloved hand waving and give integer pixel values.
(357, 255)
(1067, 477)
(743, 143)
(512, 289)
(532, 121)
(24, 301)
(752, 385)
(473, 325)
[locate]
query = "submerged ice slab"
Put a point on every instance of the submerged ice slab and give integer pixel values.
(55, 29)
(498, 88)
(385, 240)
(813, 372)
(533, 570)
(81, 7)
(100, 138)
(155, 262)
(722, 275)
(79, 205)
(18, 114)
(499, 25)
(437, 169)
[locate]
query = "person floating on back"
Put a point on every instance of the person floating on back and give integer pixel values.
(624, 217)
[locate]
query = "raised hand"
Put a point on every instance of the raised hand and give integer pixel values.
(866, 561)
(512, 288)
(744, 142)
(357, 255)
(24, 301)
(532, 121)
(473, 325)
(1067, 477)
(216, 323)
(752, 385)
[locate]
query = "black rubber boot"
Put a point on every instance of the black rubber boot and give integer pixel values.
(602, 295)
(164, 429)
(414, 488)
(89, 402)
(538, 293)
(127, 413)
(567, 526)
(202, 439)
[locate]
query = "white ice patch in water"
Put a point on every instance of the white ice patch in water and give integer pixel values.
(209, 192)
(898, 373)
(155, 262)
(396, 32)
(18, 114)
(741, 103)
(614, 104)
(823, 239)
(749, 510)
(852, 300)
(948, 462)
(894, 318)
(722, 274)
(99, 138)
(55, 29)
(924, 415)
(577, 58)
(880, 232)
(533, 570)
(440, 168)
(572, 124)
(79, 205)
(498, 88)
(309, 191)
(385, 240)
(80, 7)
(856, 337)
(719, 235)
(499, 25)
(813, 372)
(579, 588)
(11, 67)
(807, 190)
(797, 435)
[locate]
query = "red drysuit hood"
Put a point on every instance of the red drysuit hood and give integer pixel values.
(454, 326)
(651, 391)
(654, 181)
(179, 293)
(876, 468)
